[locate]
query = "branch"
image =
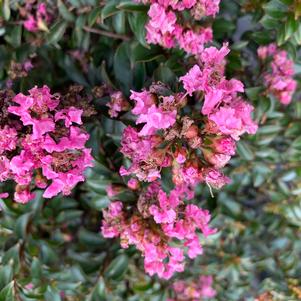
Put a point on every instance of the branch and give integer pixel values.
(106, 33)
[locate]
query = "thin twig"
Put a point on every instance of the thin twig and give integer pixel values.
(106, 33)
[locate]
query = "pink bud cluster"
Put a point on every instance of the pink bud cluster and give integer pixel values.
(162, 227)
(279, 76)
(164, 29)
(36, 18)
(193, 291)
(43, 146)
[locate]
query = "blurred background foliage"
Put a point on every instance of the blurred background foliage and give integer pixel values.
(53, 251)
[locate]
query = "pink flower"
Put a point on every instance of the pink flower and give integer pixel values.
(41, 127)
(4, 168)
(8, 139)
(194, 247)
(133, 146)
(193, 42)
(64, 183)
(39, 20)
(31, 24)
(206, 284)
(156, 119)
(133, 184)
(70, 115)
(279, 80)
(210, 7)
(4, 195)
(23, 196)
(212, 56)
(160, 19)
(217, 160)
(212, 98)
(112, 190)
(193, 80)
(117, 104)
(60, 153)
(144, 100)
(42, 11)
(215, 178)
(22, 166)
(223, 145)
(235, 120)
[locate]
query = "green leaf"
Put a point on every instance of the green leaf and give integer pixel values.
(253, 93)
(6, 293)
(117, 267)
(57, 32)
(109, 9)
(269, 22)
(119, 23)
(6, 10)
(297, 34)
(73, 72)
(6, 275)
(137, 22)
(52, 294)
(21, 226)
(142, 54)
(164, 74)
(291, 26)
(244, 151)
(287, 2)
(64, 12)
(94, 15)
(99, 293)
(122, 66)
(13, 36)
(132, 6)
(36, 269)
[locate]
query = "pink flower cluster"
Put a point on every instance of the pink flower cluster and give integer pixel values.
(37, 20)
(168, 139)
(164, 29)
(193, 291)
(195, 147)
(158, 222)
(46, 148)
(228, 114)
(279, 76)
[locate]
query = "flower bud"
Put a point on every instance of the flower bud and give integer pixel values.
(217, 160)
(180, 155)
(215, 178)
(192, 132)
(133, 184)
(223, 145)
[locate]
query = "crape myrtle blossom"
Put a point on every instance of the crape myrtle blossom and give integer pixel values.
(159, 221)
(227, 112)
(46, 148)
(37, 16)
(195, 149)
(278, 77)
(193, 290)
(164, 138)
(164, 28)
